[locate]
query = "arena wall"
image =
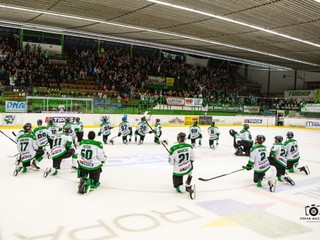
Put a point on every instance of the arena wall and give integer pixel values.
(15, 120)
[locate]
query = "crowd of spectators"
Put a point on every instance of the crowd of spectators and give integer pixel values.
(114, 70)
(123, 74)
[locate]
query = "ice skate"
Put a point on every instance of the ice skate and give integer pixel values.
(111, 141)
(199, 142)
(140, 142)
(289, 180)
(82, 186)
(192, 191)
(305, 169)
(47, 171)
(272, 185)
(34, 166)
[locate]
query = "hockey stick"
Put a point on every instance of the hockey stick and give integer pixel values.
(226, 174)
(8, 137)
(163, 144)
(14, 134)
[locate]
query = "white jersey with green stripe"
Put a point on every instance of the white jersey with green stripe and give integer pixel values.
(78, 127)
(105, 128)
(27, 146)
(73, 130)
(60, 145)
(181, 157)
(293, 153)
(195, 132)
(142, 128)
(41, 134)
(125, 128)
(53, 131)
(213, 132)
(157, 128)
(91, 154)
(245, 135)
(258, 157)
(279, 152)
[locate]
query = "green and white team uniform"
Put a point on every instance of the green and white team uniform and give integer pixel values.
(53, 131)
(194, 132)
(279, 152)
(90, 159)
(293, 154)
(157, 129)
(27, 147)
(60, 145)
(142, 129)
(214, 133)
(181, 157)
(105, 129)
(41, 134)
(125, 129)
(245, 135)
(91, 155)
(260, 163)
(78, 127)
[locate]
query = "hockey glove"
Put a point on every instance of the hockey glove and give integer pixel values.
(189, 136)
(150, 132)
(248, 166)
(232, 132)
(119, 134)
(99, 133)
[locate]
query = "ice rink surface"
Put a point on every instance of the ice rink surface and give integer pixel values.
(136, 199)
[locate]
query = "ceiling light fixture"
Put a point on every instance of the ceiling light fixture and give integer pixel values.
(236, 22)
(152, 31)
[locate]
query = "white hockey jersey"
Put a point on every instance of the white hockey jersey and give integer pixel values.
(27, 147)
(181, 157)
(292, 148)
(91, 154)
(60, 145)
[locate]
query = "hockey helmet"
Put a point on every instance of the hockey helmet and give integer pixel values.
(157, 120)
(67, 120)
(290, 135)
(278, 138)
(77, 119)
(27, 127)
(246, 126)
(213, 123)
(143, 119)
(124, 119)
(260, 139)
(195, 122)
(39, 122)
(67, 129)
(181, 137)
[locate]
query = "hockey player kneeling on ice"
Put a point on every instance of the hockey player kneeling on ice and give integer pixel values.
(244, 144)
(181, 157)
(293, 155)
(62, 149)
(195, 133)
(53, 131)
(79, 129)
(141, 130)
(157, 131)
(125, 130)
(263, 171)
(105, 129)
(90, 159)
(277, 158)
(29, 151)
(214, 133)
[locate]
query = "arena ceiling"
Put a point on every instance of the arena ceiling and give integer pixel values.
(278, 32)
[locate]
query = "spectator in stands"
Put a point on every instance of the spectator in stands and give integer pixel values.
(61, 107)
